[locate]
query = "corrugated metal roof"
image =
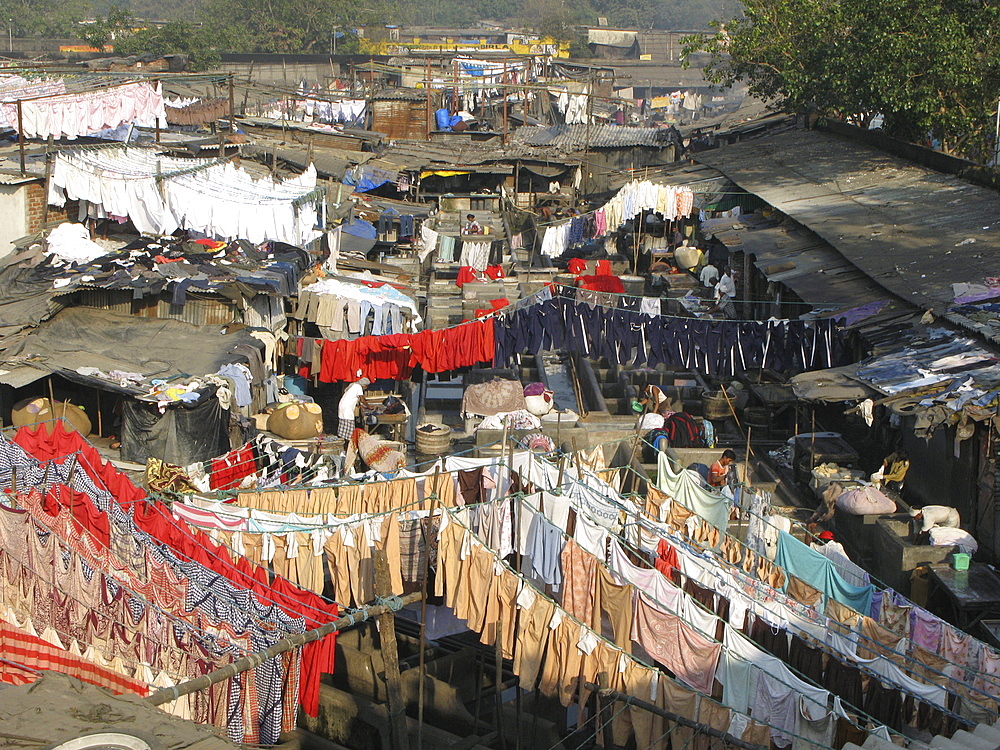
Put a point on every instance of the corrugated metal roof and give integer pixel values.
(401, 94)
(16, 178)
(911, 229)
(577, 137)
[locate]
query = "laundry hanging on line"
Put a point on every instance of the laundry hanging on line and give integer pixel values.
(162, 194)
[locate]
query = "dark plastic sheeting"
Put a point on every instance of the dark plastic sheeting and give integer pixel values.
(184, 434)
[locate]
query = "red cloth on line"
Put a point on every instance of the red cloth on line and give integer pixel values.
(374, 357)
(603, 268)
(603, 284)
(156, 519)
(466, 274)
(495, 304)
(666, 559)
(28, 650)
(495, 272)
(63, 443)
(394, 356)
(85, 514)
(577, 266)
(229, 470)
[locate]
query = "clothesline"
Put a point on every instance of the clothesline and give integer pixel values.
(270, 723)
(677, 608)
(161, 194)
(567, 615)
(668, 316)
(82, 459)
(352, 481)
(860, 635)
(661, 529)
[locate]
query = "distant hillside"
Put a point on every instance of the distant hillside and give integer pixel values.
(659, 14)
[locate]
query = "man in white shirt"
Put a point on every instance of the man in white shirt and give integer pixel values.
(725, 293)
(936, 515)
(348, 406)
(709, 276)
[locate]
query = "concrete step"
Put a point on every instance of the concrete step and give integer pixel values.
(974, 742)
(987, 732)
(943, 743)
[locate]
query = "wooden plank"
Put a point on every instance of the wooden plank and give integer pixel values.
(390, 656)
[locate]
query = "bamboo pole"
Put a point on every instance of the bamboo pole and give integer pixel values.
(165, 695)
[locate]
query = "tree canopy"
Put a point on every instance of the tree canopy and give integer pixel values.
(930, 68)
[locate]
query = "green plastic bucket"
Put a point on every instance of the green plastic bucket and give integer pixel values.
(960, 561)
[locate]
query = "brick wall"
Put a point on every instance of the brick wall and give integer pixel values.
(35, 208)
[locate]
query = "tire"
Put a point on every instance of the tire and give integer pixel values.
(905, 407)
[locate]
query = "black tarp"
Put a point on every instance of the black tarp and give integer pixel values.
(182, 435)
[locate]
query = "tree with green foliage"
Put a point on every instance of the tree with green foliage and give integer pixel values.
(43, 18)
(290, 26)
(930, 68)
(118, 24)
(201, 45)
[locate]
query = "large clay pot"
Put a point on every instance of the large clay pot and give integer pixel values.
(32, 411)
(296, 421)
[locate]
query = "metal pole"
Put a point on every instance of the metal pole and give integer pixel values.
(165, 695)
(670, 715)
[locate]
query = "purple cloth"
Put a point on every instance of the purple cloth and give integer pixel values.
(925, 629)
(534, 389)
(855, 314)
(978, 297)
(876, 608)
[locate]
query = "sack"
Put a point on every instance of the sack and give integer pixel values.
(683, 430)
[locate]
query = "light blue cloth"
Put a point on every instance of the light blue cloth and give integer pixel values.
(242, 382)
(545, 546)
(685, 487)
(446, 248)
(809, 566)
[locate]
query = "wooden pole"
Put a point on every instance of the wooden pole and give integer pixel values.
(604, 707)
(232, 106)
(156, 84)
(20, 135)
(504, 139)
(427, 86)
(498, 682)
(48, 177)
(390, 656)
(165, 695)
(423, 614)
(683, 721)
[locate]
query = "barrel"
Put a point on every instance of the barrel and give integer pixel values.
(756, 417)
(434, 442)
(714, 405)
